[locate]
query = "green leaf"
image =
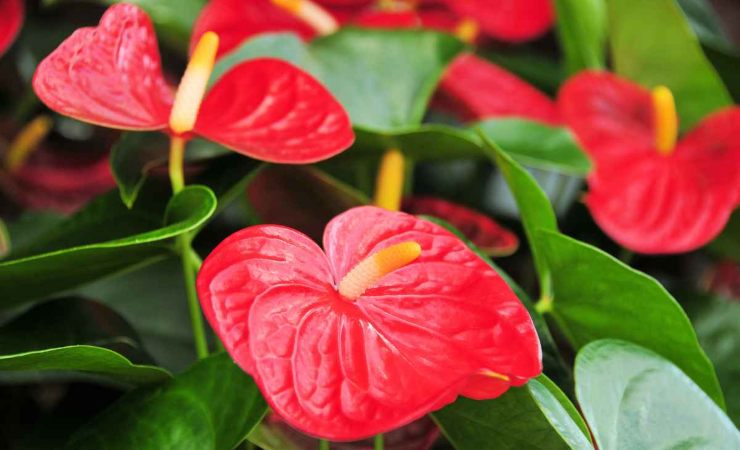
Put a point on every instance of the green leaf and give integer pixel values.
(214, 405)
(136, 154)
(173, 20)
(537, 145)
(301, 197)
(582, 30)
(102, 239)
(4, 240)
(384, 78)
(428, 142)
(705, 23)
(598, 297)
(535, 416)
(534, 207)
(653, 44)
(633, 398)
(76, 335)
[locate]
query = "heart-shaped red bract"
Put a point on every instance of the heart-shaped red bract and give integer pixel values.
(236, 20)
(11, 18)
(482, 231)
(264, 108)
(508, 20)
(646, 201)
(476, 89)
(346, 370)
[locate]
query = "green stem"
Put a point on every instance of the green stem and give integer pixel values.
(323, 444)
(190, 259)
(379, 443)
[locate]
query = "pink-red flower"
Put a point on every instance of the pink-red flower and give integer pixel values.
(11, 19)
(650, 192)
(395, 319)
(111, 75)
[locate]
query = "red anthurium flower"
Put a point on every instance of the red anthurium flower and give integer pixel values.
(11, 18)
(508, 20)
(476, 89)
(395, 320)
(649, 192)
(483, 231)
(111, 75)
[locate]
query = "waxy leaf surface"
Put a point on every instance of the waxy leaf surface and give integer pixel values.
(11, 19)
(110, 75)
(620, 303)
(213, 405)
(75, 335)
(672, 203)
(633, 398)
(102, 239)
(350, 369)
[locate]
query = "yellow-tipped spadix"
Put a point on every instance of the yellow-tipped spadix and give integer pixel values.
(371, 269)
(389, 182)
(665, 119)
(467, 30)
(492, 374)
(312, 14)
(192, 88)
(27, 140)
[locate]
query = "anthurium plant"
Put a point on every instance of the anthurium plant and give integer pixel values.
(360, 224)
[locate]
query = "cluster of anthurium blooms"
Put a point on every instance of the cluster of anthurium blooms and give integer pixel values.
(395, 317)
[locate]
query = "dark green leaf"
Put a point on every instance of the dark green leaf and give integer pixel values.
(633, 398)
(534, 207)
(581, 27)
(384, 78)
(598, 297)
(4, 240)
(538, 69)
(705, 23)
(653, 44)
(102, 239)
(76, 335)
(537, 145)
(535, 416)
(214, 405)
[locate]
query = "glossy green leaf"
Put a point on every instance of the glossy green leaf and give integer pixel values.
(582, 30)
(100, 240)
(75, 335)
(598, 297)
(653, 44)
(384, 78)
(173, 20)
(301, 197)
(136, 155)
(537, 145)
(213, 405)
(535, 416)
(534, 207)
(633, 398)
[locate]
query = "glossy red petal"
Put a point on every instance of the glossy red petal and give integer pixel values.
(271, 110)
(509, 20)
(236, 20)
(676, 203)
(348, 370)
(245, 265)
(612, 117)
(477, 89)
(388, 19)
(483, 231)
(109, 75)
(11, 19)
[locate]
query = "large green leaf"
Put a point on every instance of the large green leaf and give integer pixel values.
(581, 27)
(76, 335)
(384, 78)
(535, 416)
(653, 44)
(633, 399)
(598, 297)
(213, 405)
(102, 239)
(534, 207)
(537, 145)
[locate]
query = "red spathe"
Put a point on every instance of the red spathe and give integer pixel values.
(11, 19)
(409, 345)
